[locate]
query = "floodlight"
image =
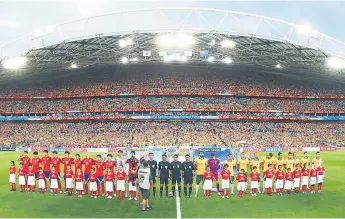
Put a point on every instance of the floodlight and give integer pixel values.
(210, 59)
(213, 42)
(167, 58)
(336, 62)
(37, 33)
(278, 65)
(124, 60)
(228, 44)
(179, 40)
(183, 59)
(304, 29)
(129, 42)
(73, 65)
(49, 29)
(135, 59)
(122, 43)
(14, 63)
(227, 60)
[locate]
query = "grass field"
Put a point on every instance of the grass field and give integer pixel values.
(330, 204)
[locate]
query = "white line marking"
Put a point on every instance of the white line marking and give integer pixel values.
(178, 203)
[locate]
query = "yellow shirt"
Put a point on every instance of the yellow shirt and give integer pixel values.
(290, 164)
(266, 162)
(305, 161)
(297, 161)
(231, 165)
(317, 162)
(278, 162)
(255, 163)
(200, 166)
(243, 164)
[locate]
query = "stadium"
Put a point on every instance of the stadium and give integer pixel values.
(183, 80)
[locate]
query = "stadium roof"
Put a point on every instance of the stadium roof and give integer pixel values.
(259, 41)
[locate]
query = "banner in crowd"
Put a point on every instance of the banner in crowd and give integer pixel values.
(273, 149)
(23, 149)
(75, 149)
(253, 149)
(57, 149)
(325, 148)
(311, 149)
(293, 149)
(39, 149)
(7, 148)
(97, 150)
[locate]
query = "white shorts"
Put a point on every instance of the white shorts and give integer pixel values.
(31, 181)
(131, 187)
(208, 184)
(241, 186)
(305, 180)
(320, 179)
(288, 185)
(268, 183)
(121, 185)
(13, 178)
(109, 186)
(279, 184)
(312, 180)
(93, 187)
(69, 183)
(254, 185)
(225, 183)
(54, 184)
(296, 182)
(22, 180)
(41, 184)
(79, 186)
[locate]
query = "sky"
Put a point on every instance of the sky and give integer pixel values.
(20, 17)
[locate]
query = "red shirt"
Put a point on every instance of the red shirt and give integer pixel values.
(136, 163)
(56, 162)
(66, 161)
(99, 167)
(111, 164)
(296, 174)
(69, 174)
(12, 169)
(313, 173)
(305, 172)
(46, 163)
(21, 171)
(88, 162)
(35, 163)
(109, 176)
(288, 176)
(208, 176)
(54, 175)
(31, 172)
(79, 177)
(225, 174)
(121, 175)
(254, 176)
(320, 171)
(41, 176)
(241, 178)
(26, 162)
(269, 174)
(93, 177)
(78, 164)
(280, 174)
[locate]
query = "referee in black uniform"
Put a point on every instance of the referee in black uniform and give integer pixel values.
(164, 173)
(153, 169)
(176, 173)
(187, 174)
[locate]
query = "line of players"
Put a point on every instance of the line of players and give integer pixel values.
(202, 169)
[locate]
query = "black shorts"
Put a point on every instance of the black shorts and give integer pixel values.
(153, 179)
(164, 179)
(145, 193)
(176, 180)
(188, 180)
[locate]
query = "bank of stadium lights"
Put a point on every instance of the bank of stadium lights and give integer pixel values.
(125, 42)
(74, 66)
(175, 58)
(39, 33)
(124, 60)
(227, 44)
(14, 63)
(227, 60)
(278, 66)
(304, 29)
(335, 63)
(175, 40)
(210, 59)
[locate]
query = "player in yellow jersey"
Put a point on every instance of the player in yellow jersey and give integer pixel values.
(278, 162)
(297, 161)
(256, 162)
(265, 162)
(317, 160)
(200, 166)
(243, 163)
(289, 162)
(305, 160)
(231, 164)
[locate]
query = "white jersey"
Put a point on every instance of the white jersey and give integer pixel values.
(121, 161)
(144, 178)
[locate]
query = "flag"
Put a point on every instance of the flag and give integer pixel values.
(146, 53)
(204, 53)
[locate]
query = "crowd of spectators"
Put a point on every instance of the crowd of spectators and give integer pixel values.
(106, 134)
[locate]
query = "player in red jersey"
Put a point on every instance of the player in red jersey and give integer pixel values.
(132, 176)
(22, 177)
(133, 162)
(225, 175)
(208, 180)
(305, 179)
(297, 174)
(93, 183)
(121, 183)
(54, 176)
(41, 181)
(31, 179)
(88, 162)
(69, 179)
(46, 160)
(254, 178)
(279, 177)
(24, 158)
(288, 181)
(110, 163)
(79, 185)
(241, 179)
(67, 160)
(320, 177)
(35, 161)
(109, 182)
(56, 162)
(78, 163)
(269, 173)
(12, 170)
(313, 175)
(100, 174)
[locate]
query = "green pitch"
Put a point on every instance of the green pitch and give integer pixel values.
(330, 204)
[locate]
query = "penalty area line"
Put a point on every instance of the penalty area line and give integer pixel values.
(178, 203)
